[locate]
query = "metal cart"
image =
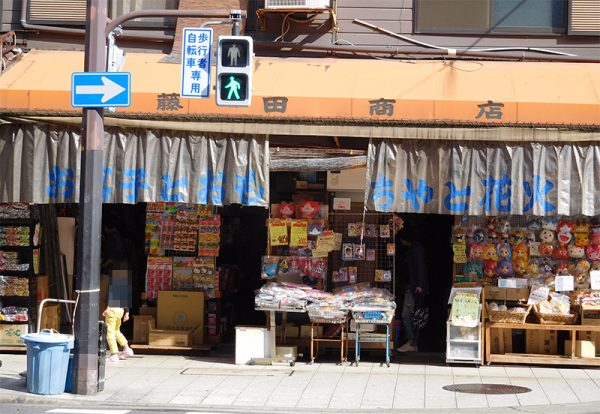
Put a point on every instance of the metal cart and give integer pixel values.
(274, 359)
(379, 318)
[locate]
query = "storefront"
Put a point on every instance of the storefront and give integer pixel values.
(446, 138)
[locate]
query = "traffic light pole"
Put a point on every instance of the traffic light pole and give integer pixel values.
(90, 214)
(98, 28)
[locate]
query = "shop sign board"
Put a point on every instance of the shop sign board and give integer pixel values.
(340, 203)
(595, 279)
(564, 283)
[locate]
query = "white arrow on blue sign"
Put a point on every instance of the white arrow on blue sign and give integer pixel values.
(100, 89)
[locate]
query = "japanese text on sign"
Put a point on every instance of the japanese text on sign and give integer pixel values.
(195, 62)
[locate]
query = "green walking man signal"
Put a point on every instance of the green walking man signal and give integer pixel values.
(235, 64)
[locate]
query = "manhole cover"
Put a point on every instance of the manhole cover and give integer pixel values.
(487, 388)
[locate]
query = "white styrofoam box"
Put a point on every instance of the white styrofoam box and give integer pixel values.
(251, 342)
(287, 351)
(352, 179)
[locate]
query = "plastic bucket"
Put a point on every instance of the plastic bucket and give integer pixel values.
(47, 361)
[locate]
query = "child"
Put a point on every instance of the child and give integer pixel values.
(112, 317)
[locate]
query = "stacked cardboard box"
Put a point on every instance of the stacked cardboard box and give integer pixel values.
(541, 342)
(180, 319)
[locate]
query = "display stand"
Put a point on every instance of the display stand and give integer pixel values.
(372, 338)
(314, 339)
(464, 344)
(570, 359)
(20, 281)
(274, 359)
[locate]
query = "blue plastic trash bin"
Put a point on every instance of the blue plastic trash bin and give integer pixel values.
(47, 361)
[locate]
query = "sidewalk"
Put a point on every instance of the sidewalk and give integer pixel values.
(155, 381)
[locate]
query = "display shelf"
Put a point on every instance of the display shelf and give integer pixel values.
(465, 341)
(528, 358)
(25, 256)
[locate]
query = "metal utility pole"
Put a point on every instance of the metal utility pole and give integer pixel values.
(98, 28)
(90, 213)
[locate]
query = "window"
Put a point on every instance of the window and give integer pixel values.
(490, 16)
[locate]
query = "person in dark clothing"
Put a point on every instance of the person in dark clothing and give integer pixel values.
(411, 277)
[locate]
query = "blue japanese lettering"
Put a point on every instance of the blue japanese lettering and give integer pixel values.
(134, 180)
(60, 178)
(196, 75)
(456, 207)
(190, 62)
(106, 190)
(190, 50)
(171, 189)
(192, 38)
(203, 63)
(248, 191)
(382, 195)
(422, 191)
(537, 194)
(202, 37)
(498, 190)
(210, 188)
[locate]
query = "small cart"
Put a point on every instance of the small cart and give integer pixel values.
(372, 317)
(323, 315)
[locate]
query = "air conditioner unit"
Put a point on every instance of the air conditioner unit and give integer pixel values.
(59, 12)
(297, 4)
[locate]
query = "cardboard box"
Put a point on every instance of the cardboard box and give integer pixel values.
(541, 342)
(180, 310)
(141, 328)
(11, 334)
(51, 316)
(583, 349)
(42, 288)
(198, 335)
(287, 351)
(501, 341)
(590, 336)
(104, 283)
(292, 331)
(166, 337)
(502, 294)
(590, 315)
(305, 331)
(148, 311)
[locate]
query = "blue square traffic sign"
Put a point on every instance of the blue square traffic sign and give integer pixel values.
(100, 89)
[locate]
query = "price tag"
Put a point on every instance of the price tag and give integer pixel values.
(507, 283)
(538, 294)
(595, 279)
(564, 283)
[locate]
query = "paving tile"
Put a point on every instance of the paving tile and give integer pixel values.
(228, 390)
(469, 376)
(379, 392)
(349, 391)
(435, 395)
(319, 390)
(581, 384)
(409, 391)
(537, 396)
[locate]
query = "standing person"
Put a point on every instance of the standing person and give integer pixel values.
(411, 278)
(112, 318)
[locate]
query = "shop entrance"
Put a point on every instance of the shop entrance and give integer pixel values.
(435, 233)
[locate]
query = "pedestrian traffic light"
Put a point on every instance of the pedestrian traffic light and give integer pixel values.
(235, 64)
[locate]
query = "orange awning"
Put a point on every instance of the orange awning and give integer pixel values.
(456, 92)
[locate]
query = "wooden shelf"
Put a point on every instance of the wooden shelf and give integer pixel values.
(539, 358)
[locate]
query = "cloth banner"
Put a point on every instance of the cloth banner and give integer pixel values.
(40, 164)
(475, 178)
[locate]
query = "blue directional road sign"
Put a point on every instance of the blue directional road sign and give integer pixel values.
(100, 89)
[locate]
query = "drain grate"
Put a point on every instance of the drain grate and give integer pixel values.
(241, 372)
(487, 388)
